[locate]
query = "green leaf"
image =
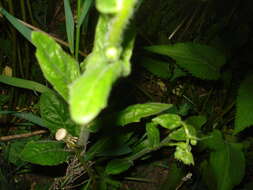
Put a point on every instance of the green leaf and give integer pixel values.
(87, 4)
(228, 166)
(156, 67)
(69, 24)
(90, 92)
(59, 68)
(200, 60)
(117, 166)
(135, 112)
(26, 32)
(55, 113)
(47, 153)
(168, 121)
(178, 135)
(153, 134)
(197, 121)
(244, 105)
(183, 153)
(22, 83)
(214, 141)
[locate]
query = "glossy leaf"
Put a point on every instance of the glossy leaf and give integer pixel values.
(228, 166)
(183, 153)
(244, 105)
(70, 26)
(90, 92)
(55, 113)
(153, 134)
(134, 113)
(200, 60)
(23, 83)
(59, 68)
(168, 121)
(46, 153)
(156, 67)
(117, 166)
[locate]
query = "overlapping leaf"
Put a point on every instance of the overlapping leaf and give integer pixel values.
(59, 68)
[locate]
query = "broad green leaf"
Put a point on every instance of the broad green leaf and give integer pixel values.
(69, 24)
(55, 113)
(90, 92)
(200, 60)
(156, 67)
(87, 4)
(46, 153)
(244, 105)
(153, 134)
(117, 166)
(178, 135)
(183, 153)
(214, 141)
(59, 68)
(13, 152)
(197, 121)
(177, 73)
(22, 83)
(26, 32)
(228, 166)
(135, 112)
(168, 121)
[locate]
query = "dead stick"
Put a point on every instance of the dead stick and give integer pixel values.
(24, 135)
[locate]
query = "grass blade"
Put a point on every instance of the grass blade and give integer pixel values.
(26, 32)
(22, 83)
(84, 11)
(69, 25)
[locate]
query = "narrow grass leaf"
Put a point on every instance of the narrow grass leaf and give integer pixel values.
(70, 26)
(26, 32)
(87, 4)
(23, 83)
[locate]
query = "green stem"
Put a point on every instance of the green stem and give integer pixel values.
(77, 41)
(119, 22)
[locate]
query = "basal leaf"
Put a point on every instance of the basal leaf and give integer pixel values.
(244, 105)
(153, 134)
(47, 153)
(228, 166)
(90, 92)
(135, 112)
(117, 166)
(59, 68)
(55, 113)
(168, 121)
(200, 60)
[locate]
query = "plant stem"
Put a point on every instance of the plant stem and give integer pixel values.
(77, 41)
